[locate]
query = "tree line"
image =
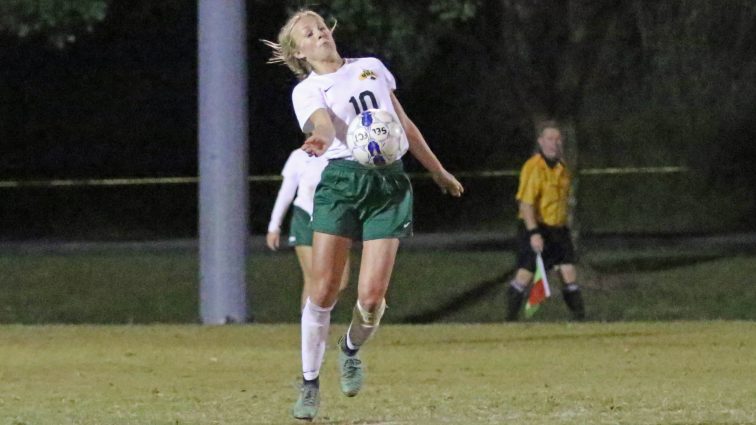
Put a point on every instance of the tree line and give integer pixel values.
(107, 86)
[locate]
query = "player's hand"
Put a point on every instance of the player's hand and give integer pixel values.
(448, 183)
(272, 239)
(536, 242)
(315, 145)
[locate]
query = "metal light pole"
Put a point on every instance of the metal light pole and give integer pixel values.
(223, 169)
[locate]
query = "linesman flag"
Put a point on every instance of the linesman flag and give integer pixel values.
(540, 290)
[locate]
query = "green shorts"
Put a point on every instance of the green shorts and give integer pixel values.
(363, 203)
(300, 228)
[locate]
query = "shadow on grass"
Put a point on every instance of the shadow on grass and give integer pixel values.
(529, 338)
(467, 298)
(486, 288)
(652, 264)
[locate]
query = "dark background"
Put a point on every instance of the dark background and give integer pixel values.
(635, 84)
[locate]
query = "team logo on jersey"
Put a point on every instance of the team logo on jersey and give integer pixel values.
(366, 73)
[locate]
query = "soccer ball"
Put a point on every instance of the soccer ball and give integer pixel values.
(375, 137)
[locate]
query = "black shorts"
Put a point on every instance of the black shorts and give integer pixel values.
(557, 247)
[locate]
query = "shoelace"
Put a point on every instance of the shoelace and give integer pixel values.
(351, 366)
(309, 396)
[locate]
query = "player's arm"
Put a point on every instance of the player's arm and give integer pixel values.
(528, 194)
(420, 150)
(285, 196)
(322, 133)
(527, 211)
(528, 214)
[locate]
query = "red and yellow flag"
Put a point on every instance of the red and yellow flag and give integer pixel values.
(540, 290)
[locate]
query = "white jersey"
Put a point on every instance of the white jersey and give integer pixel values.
(301, 175)
(360, 84)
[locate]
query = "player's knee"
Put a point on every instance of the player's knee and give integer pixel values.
(370, 313)
(371, 296)
(323, 292)
(568, 273)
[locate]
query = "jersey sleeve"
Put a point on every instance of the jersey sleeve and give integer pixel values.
(529, 188)
(387, 76)
(306, 99)
(294, 164)
(291, 173)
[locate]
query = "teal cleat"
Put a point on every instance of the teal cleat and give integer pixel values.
(351, 371)
(308, 402)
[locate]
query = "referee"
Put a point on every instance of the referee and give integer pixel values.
(542, 197)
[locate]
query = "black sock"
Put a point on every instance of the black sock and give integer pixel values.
(314, 382)
(515, 299)
(574, 300)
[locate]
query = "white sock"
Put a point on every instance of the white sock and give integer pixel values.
(315, 323)
(350, 345)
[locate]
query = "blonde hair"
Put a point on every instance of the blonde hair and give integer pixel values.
(286, 48)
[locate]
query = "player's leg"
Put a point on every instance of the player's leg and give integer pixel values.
(564, 255)
(300, 237)
(378, 258)
(571, 293)
(329, 254)
(304, 256)
(386, 214)
(345, 275)
(517, 288)
(516, 292)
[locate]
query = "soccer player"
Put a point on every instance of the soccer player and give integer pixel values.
(352, 202)
(301, 175)
(543, 205)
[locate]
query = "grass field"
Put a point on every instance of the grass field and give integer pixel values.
(672, 341)
(141, 286)
(672, 373)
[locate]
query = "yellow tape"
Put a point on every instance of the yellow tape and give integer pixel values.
(144, 181)
(584, 171)
(634, 170)
(97, 182)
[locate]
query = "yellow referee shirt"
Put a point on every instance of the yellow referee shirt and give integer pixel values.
(546, 188)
